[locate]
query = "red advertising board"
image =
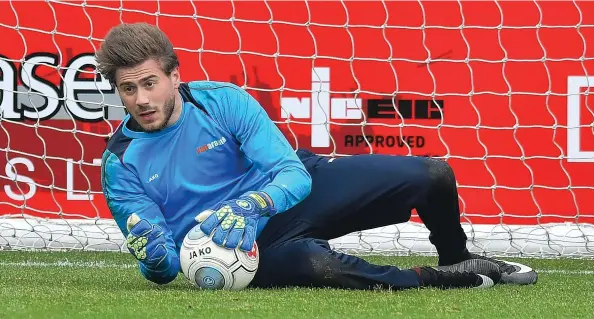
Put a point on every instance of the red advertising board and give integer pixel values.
(482, 84)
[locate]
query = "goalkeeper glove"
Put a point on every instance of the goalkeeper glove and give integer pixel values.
(236, 220)
(147, 243)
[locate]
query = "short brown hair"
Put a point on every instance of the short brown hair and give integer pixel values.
(130, 44)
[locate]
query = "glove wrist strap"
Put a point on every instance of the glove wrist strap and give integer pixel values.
(263, 201)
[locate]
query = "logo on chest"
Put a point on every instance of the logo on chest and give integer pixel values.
(211, 145)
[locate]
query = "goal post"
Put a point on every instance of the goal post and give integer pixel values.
(498, 89)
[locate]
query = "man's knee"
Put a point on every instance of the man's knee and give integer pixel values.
(424, 178)
(440, 174)
(419, 174)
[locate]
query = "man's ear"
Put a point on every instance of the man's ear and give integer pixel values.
(176, 78)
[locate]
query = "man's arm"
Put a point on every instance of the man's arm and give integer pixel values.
(234, 222)
(158, 259)
(267, 147)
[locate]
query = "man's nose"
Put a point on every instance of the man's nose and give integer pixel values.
(142, 97)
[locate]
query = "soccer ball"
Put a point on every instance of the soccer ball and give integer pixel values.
(210, 266)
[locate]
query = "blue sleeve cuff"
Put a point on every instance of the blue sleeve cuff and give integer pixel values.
(279, 199)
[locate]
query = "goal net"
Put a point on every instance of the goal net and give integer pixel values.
(499, 90)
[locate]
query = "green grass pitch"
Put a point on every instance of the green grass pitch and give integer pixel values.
(108, 285)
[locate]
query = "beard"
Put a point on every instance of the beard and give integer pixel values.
(168, 109)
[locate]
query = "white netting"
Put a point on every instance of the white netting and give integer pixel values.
(498, 89)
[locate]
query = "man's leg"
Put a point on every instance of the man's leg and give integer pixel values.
(347, 196)
(367, 191)
(310, 262)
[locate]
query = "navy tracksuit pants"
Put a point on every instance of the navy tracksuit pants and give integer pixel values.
(357, 193)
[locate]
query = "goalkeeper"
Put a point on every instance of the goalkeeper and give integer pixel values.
(205, 154)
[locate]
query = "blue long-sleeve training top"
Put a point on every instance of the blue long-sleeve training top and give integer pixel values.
(222, 146)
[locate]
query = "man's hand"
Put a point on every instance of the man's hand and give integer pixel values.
(146, 242)
(236, 220)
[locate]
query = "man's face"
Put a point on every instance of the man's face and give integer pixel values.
(149, 95)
